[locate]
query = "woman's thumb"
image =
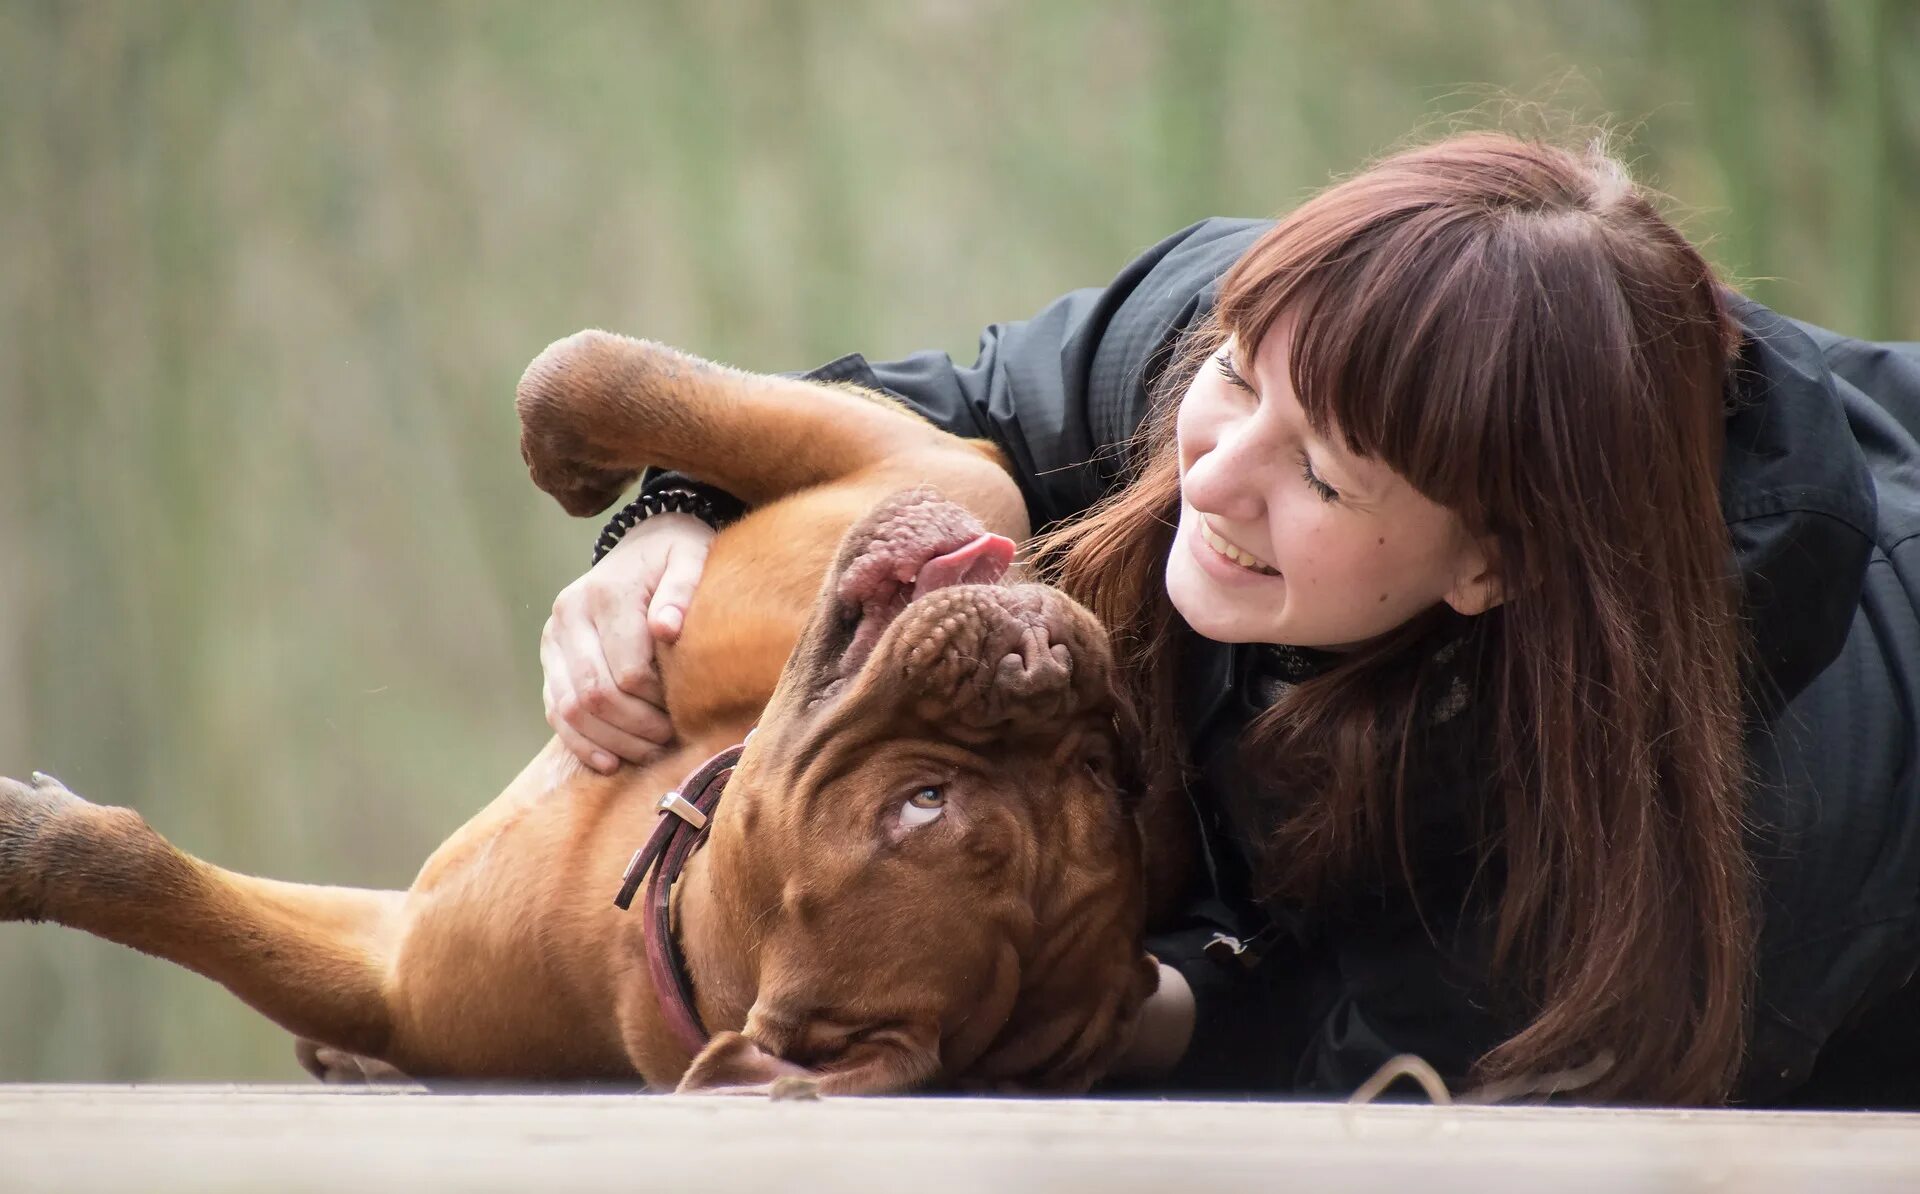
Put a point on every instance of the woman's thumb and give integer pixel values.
(667, 612)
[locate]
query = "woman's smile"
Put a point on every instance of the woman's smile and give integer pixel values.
(1244, 560)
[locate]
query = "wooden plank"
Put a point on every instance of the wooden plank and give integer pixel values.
(159, 1139)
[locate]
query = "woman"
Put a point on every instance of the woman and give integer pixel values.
(1529, 618)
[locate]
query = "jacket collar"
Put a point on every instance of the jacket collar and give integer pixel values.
(1799, 504)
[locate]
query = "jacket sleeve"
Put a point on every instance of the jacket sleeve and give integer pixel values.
(1244, 1032)
(1321, 1016)
(1061, 392)
(1383, 994)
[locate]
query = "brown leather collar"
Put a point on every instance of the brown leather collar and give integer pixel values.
(684, 815)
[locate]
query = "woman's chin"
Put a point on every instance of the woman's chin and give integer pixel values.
(1210, 613)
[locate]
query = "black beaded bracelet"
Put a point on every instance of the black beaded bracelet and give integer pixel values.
(661, 501)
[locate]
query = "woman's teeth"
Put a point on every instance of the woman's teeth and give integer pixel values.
(1233, 553)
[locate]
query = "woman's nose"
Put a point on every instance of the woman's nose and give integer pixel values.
(1225, 481)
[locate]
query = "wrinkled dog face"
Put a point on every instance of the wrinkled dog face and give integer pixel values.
(929, 832)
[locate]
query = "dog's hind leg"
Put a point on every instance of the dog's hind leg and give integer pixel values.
(312, 959)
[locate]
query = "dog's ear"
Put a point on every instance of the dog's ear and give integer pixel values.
(885, 1061)
(733, 1064)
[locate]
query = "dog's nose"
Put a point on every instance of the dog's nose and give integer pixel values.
(1037, 666)
(986, 657)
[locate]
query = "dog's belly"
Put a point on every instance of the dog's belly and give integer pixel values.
(513, 960)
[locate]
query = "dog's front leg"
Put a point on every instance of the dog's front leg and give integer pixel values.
(596, 407)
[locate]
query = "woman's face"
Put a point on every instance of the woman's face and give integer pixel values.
(1287, 538)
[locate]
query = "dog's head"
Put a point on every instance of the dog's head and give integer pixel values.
(938, 877)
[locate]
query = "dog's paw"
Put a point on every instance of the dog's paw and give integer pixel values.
(554, 461)
(582, 489)
(586, 491)
(569, 402)
(337, 1067)
(789, 1089)
(25, 811)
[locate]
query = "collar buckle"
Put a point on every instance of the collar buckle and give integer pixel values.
(673, 802)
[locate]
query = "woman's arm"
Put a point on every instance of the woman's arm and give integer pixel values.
(1220, 1021)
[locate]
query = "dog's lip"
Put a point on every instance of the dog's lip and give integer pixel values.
(998, 603)
(977, 559)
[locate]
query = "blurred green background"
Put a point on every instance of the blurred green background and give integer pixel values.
(270, 568)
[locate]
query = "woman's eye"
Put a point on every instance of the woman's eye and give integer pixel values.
(1225, 361)
(1326, 492)
(923, 806)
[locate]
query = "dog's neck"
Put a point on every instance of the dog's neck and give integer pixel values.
(723, 983)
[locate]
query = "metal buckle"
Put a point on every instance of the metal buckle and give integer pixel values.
(682, 808)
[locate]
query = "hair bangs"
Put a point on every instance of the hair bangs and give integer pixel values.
(1397, 326)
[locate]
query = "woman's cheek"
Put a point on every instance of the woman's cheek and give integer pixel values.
(1299, 532)
(1188, 437)
(1317, 539)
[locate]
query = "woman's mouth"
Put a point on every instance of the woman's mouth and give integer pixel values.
(1227, 550)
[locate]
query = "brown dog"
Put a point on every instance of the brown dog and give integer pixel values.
(921, 871)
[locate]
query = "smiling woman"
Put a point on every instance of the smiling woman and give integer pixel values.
(1472, 336)
(1270, 550)
(1458, 532)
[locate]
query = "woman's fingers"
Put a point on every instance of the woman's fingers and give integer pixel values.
(627, 645)
(601, 676)
(577, 744)
(686, 561)
(600, 723)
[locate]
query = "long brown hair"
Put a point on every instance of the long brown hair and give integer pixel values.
(1514, 329)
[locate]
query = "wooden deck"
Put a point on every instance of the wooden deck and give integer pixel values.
(156, 1139)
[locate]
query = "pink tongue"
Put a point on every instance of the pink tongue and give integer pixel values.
(980, 562)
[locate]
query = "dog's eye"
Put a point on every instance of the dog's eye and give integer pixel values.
(923, 806)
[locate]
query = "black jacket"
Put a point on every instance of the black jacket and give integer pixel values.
(1821, 490)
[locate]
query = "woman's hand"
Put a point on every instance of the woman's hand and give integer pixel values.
(1163, 1031)
(603, 692)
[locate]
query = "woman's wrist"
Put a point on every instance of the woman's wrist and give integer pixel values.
(715, 507)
